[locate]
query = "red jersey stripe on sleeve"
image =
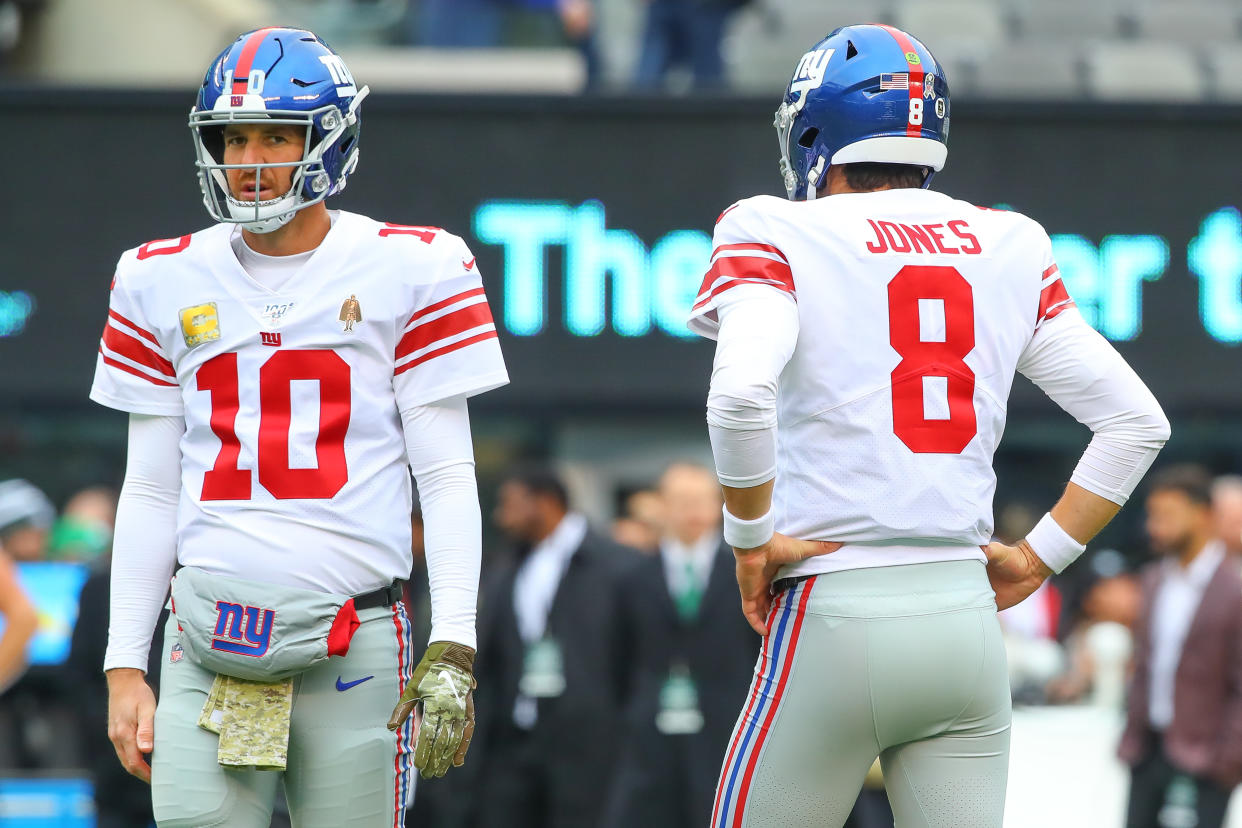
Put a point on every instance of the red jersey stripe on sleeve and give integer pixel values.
(1051, 270)
(447, 349)
(449, 325)
(443, 303)
(123, 344)
(144, 333)
(1052, 301)
(732, 271)
(116, 363)
(754, 268)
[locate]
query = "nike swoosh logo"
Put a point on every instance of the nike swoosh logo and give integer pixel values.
(468, 265)
(447, 678)
(345, 685)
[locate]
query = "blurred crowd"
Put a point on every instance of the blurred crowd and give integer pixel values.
(613, 660)
(1071, 641)
(684, 34)
(31, 531)
(679, 37)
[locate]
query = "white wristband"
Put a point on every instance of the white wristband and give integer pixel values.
(747, 534)
(1053, 544)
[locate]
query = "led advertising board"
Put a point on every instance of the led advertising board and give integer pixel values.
(591, 221)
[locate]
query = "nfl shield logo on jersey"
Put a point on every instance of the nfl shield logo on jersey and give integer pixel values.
(175, 654)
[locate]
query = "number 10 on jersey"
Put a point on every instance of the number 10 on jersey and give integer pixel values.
(219, 377)
(922, 358)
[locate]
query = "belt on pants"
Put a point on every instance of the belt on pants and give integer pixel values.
(385, 596)
(782, 584)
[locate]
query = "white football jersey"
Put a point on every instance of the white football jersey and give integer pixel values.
(293, 463)
(914, 309)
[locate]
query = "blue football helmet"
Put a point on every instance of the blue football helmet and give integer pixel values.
(866, 93)
(277, 76)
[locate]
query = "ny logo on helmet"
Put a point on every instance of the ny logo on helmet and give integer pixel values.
(340, 74)
(243, 630)
(810, 73)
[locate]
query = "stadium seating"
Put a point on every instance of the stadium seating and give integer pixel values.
(1027, 70)
(766, 38)
(1151, 70)
(1225, 70)
(1065, 22)
(1189, 23)
(961, 29)
(1124, 50)
(1180, 50)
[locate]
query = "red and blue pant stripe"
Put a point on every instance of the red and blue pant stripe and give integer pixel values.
(405, 734)
(779, 649)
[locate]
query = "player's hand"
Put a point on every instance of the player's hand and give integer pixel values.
(757, 567)
(131, 719)
(444, 682)
(1014, 571)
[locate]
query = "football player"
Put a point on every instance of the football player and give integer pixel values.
(284, 370)
(868, 331)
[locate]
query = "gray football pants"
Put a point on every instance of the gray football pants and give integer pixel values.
(902, 662)
(345, 768)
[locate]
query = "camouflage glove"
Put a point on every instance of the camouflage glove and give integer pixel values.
(443, 681)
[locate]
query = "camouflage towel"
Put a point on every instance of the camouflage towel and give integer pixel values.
(252, 720)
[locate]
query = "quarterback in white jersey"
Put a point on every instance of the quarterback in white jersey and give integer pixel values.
(284, 370)
(868, 331)
(293, 461)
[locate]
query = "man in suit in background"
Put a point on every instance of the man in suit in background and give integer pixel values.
(1227, 511)
(551, 666)
(1183, 734)
(693, 658)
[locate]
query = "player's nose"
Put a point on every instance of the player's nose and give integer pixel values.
(252, 153)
